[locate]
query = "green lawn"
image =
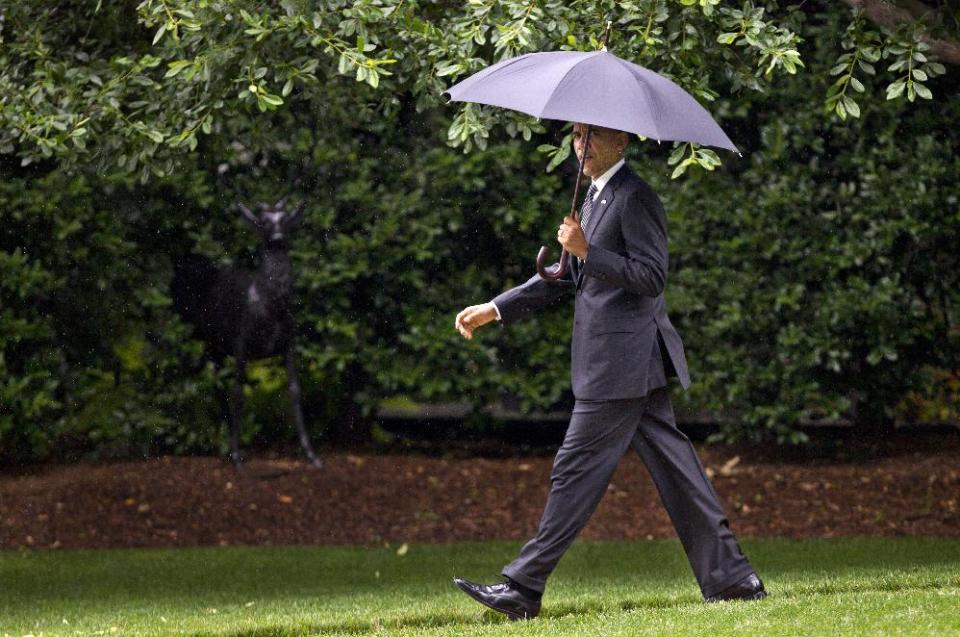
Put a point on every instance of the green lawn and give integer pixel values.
(825, 587)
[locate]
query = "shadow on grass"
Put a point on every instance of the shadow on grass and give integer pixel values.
(458, 618)
(377, 624)
(555, 611)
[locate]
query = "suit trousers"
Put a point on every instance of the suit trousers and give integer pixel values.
(598, 436)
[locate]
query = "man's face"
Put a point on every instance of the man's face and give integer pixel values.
(606, 148)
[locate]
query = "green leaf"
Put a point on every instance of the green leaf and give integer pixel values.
(851, 107)
(448, 69)
(273, 100)
(923, 91)
(175, 68)
(563, 152)
(871, 54)
(708, 157)
(895, 89)
(919, 75)
(677, 154)
(159, 33)
(838, 69)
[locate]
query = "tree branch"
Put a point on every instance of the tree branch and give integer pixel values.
(889, 15)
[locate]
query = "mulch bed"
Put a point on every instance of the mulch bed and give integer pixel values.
(371, 499)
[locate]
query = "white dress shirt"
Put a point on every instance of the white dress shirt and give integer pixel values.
(600, 182)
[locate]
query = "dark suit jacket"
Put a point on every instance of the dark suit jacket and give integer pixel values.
(623, 343)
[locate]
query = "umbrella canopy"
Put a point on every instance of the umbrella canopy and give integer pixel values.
(596, 88)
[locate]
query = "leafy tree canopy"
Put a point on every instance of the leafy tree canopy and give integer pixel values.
(129, 86)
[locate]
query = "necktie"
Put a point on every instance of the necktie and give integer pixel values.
(587, 207)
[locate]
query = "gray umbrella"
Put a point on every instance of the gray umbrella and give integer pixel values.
(596, 88)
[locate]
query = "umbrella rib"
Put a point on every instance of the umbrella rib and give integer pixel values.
(563, 79)
(722, 142)
(648, 103)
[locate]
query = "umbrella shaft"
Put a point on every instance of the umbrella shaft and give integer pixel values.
(561, 269)
(583, 157)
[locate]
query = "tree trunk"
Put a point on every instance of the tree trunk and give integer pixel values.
(889, 15)
(872, 422)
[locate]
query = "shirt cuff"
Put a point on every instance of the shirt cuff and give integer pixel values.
(497, 310)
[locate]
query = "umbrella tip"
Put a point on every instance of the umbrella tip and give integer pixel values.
(606, 36)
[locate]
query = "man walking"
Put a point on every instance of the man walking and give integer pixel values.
(622, 351)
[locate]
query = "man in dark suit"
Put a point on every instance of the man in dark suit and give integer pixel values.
(622, 351)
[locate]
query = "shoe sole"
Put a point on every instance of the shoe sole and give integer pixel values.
(756, 597)
(513, 616)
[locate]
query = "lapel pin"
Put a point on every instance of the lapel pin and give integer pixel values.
(603, 201)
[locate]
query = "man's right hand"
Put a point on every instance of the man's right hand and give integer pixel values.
(473, 317)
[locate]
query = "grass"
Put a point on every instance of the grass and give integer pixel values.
(908, 586)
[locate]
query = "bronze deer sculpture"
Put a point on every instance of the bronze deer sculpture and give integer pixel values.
(247, 314)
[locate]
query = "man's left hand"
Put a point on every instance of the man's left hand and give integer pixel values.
(570, 235)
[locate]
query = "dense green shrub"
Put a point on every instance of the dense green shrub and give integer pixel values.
(816, 277)
(399, 232)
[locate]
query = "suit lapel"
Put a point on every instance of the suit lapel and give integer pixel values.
(603, 203)
(605, 200)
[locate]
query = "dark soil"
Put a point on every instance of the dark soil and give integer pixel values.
(901, 488)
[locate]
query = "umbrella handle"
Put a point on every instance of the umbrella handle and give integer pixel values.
(553, 273)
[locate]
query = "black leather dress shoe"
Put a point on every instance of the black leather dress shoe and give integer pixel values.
(502, 598)
(749, 588)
